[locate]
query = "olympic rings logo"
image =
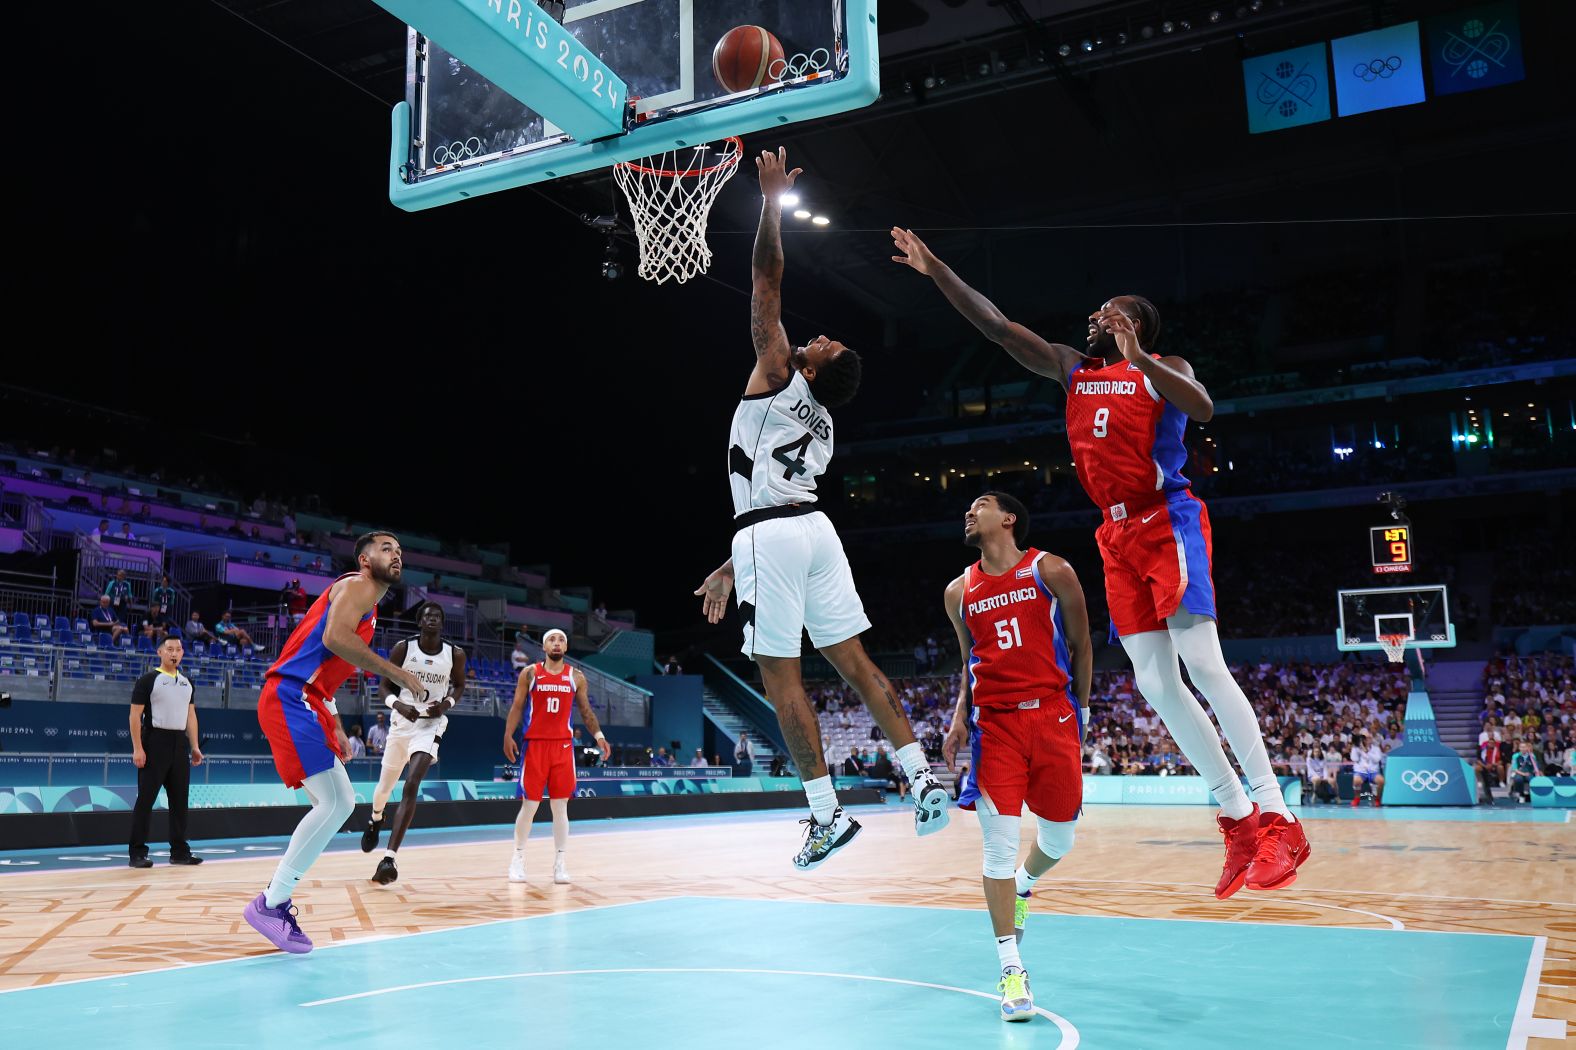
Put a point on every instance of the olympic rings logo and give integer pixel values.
(799, 65)
(455, 152)
(1378, 69)
(1427, 780)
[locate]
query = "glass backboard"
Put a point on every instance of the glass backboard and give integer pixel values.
(1422, 614)
(460, 135)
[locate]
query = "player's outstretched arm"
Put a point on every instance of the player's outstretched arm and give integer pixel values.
(511, 725)
(588, 716)
(958, 735)
(358, 596)
(1052, 360)
(1171, 377)
(772, 368)
(1063, 582)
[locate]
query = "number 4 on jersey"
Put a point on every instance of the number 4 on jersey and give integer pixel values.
(795, 465)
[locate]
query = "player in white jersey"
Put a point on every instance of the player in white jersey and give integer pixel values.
(788, 565)
(416, 730)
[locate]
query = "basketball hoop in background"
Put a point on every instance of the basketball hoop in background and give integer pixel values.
(1394, 647)
(670, 198)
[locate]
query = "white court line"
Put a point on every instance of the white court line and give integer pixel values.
(1526, 1026)
(326, 947)
(1318, 889)
(1070, 1037)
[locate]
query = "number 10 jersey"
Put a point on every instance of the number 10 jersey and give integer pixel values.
(781, 442)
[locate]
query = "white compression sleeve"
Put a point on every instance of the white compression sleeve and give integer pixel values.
(1198, 643)
(1159, 679)
(332, 800)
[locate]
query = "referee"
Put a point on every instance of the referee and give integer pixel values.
(164, 748)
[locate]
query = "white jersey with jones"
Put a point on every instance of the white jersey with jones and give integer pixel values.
(433, 670)
(781, 442)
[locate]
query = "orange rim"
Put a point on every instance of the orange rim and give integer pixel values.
(728, 161)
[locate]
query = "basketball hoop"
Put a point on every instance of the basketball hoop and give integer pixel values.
(670, 197)
(1394, 647)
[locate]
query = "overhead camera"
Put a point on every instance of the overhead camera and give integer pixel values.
(1397, 504)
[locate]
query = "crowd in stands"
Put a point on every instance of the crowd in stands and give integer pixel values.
(1535, 581)
(1529, 719)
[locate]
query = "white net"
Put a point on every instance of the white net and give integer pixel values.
(1394, 646)
(670, 198)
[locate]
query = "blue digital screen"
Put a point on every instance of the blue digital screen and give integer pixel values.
(1378, 70)
(1287, 89)
(1476, 48)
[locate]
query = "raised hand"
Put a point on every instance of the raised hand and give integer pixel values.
(916, 255)
(1121, 326)
(776, 179)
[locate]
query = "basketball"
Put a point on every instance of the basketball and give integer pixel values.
(746, 57)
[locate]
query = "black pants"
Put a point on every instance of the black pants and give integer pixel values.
(168, 767)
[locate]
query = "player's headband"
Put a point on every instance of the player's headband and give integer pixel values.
(554, 631)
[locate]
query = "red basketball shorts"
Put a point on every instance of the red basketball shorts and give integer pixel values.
(1157, 562)
(549, 765)
(1031, 757)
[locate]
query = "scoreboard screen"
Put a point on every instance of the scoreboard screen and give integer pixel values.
(1392, 548)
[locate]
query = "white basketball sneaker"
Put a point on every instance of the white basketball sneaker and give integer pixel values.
(560, 872)
(517, 869)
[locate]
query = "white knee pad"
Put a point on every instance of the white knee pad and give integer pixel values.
(1001, 836)
(1055, 837)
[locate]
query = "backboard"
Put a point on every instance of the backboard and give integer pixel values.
(1422, 614)
(459, 134)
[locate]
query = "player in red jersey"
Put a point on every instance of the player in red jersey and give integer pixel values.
(297, 713)
(549, 760)
(1023, 632)
(1127, 410)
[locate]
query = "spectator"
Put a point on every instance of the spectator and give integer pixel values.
(1367, 760)
(875, 733)
(779, 766)
(125, 533)
(852, 766)
(600, 612)
(100, 532)
(1321, 778)
(358, 746)
(1523, 767)
(232, 633)
(699, 759)
(377, 736)
(743, 755)
(672, 666)
(1099, 761)
(661, 758)
(106, 619)
(163, 598)
(289, 524)
(436, 584)
(1494, 755)
(519, 658)
(118, 591)
(157, 626)
(196, 631)
(296, 601)
(145, 514)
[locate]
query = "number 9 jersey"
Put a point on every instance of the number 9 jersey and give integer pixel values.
(781, 441)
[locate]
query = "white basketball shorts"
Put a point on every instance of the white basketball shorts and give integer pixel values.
(791, 575)
(408, 738)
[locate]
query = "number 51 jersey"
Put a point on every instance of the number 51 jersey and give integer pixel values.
(780, 443)
(1019, 653)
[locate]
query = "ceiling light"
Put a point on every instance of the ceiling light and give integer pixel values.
(821, 220)
(788, 200)
(801, 214)
(1065, 50)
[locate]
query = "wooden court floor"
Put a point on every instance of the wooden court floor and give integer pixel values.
(1153, 862)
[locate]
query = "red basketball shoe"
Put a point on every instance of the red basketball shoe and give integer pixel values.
(1282, 848)
(1242, 843)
